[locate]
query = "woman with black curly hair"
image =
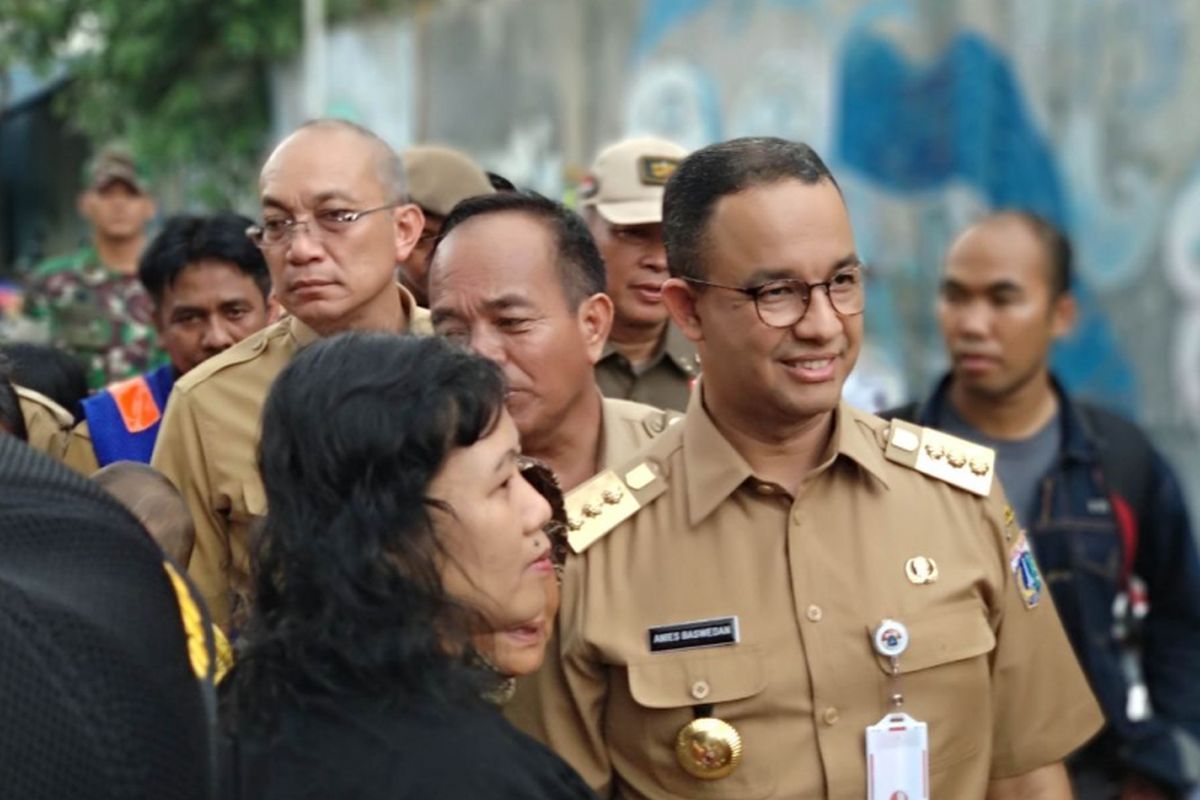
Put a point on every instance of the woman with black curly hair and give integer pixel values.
(399, 529)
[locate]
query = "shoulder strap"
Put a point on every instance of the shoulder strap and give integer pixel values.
(1124, 453)
(939, 455)
(1127, 461)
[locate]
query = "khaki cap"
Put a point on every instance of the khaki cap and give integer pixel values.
(111, 165)
(439, 178)
(626, 181)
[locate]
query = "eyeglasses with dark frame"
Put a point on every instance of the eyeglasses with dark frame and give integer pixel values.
(275, 232)
(782, 303)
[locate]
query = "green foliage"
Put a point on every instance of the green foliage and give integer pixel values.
(184, 82)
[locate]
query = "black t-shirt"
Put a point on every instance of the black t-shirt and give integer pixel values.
(354, 750)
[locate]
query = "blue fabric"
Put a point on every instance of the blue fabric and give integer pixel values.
(1077, 539)
(111, 439)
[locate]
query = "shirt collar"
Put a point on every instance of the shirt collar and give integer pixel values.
(715, 469)
(675, 347)
(417, 321)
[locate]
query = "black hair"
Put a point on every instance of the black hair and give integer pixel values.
(722, 169)
(580, 265)
(186, 240)
(11, 418)
(50, 371)
(1057, 247)
(501, 183)
(348, 599)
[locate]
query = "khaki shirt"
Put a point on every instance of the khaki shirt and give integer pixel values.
(808, 579)
(47, 423)
(208, 447)
(80, 455)
(664, 382)
(625, 429)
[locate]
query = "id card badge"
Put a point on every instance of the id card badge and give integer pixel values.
(898, 759)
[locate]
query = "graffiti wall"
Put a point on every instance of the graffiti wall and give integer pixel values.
(929, 112)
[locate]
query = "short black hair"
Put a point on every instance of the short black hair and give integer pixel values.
(11, 418)
(580, 265)
(187, 239)
(722, 169)
(1057, 247)
(50, 371)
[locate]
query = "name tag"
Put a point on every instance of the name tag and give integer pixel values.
(690, 635)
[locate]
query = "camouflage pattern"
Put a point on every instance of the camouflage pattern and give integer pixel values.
(100, 316)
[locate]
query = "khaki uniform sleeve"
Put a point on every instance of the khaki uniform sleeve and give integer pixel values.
(1043, 708)
(80, 455)
(47, 430)
(571, 688)
(179, 454)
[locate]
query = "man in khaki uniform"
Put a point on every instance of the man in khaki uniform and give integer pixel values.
(438, 179)
(779, 571)
(645, 358)
(335, 223)
(517, 278)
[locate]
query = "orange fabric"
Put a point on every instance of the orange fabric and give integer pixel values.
(136, 403)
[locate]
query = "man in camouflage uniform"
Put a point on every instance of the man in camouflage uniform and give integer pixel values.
(90, 303)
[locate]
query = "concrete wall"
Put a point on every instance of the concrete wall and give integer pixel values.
(928, 111)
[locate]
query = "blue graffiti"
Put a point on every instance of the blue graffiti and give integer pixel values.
(661, 17)
(963, 118)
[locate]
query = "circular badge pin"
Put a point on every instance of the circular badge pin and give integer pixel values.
(708, 748)
(891, 638)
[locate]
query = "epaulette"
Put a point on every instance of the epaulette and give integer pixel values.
(606, 500)
(939, 455)
(246, 350)
(658, 421)
(62, 418)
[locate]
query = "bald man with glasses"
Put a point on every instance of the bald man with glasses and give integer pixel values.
(335, 222)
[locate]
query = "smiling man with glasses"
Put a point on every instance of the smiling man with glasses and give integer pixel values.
(335, 222)
(773, 580)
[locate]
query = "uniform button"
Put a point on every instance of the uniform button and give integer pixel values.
(831, 716)
(765, 488)
(700, 690)
(814, 613)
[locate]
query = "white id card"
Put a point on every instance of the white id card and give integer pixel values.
(898, 759)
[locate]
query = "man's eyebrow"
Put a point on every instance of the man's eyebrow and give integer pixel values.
(991, 288)
(767, 274)
(323, 197)
(506, 302)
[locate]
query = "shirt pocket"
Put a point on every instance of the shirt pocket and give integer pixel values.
(945, 679)
(665, 689)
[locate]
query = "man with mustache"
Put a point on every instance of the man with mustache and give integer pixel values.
(1104, 511)
(645, 358)
(782, 575)
(335, 222)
